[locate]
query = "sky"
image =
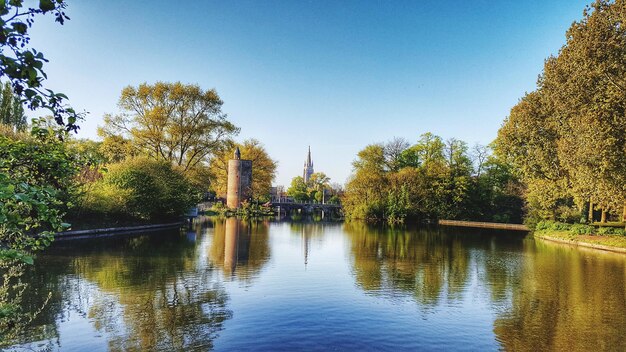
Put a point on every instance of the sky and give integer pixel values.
(335, 75)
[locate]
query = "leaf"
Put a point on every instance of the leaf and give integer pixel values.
(46, 5)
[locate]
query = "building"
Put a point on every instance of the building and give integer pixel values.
(308, 167)
(239, 186)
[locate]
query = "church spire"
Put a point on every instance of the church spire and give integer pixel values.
(308, 167)
(308, 158)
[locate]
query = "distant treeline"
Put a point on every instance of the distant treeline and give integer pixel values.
(431, 179)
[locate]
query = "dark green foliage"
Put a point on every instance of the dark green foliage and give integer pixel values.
(22, 65)
(35, 189)
(152, 189)
(577, 229)
(36, 175)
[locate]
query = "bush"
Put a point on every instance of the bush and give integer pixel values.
(552, 225)
(611, 231)
(151, 189)
(105, 198)
(582, 229)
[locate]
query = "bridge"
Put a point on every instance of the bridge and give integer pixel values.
(283, 206)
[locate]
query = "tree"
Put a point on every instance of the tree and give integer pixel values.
(22, 65)
(179, 123)
(393, 153)
(263, 168)
(298, 189)
(428, 180)
(117, 148)
(568, 138)
(318, 183)
(34, 173)
(11, 110)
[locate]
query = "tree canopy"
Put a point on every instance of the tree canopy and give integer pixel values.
(179, 123)
(430, 179)
(568, 137)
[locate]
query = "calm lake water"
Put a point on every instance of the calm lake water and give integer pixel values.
(232, 285)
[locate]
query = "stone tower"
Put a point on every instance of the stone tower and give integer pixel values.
(239, 180)
(308, 167)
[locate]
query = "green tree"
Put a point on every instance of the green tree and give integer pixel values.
(318, 183)
(567, 138)
(298, 189)
(179, 123)
(153, 189)
(117, 148)
(11, 109)
(22, 65)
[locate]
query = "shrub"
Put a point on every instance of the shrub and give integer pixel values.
(610, 231)
(152, 189)
(105, 198)
(582, 229)
(552, 225)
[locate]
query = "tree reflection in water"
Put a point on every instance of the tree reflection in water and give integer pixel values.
(568, 299)
(142, 293)
(166, 292)
(427, 265)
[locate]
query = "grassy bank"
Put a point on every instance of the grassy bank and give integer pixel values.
(606, 238)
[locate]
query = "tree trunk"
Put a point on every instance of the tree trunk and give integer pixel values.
(624, 216)
(603, 219)
(590, 210)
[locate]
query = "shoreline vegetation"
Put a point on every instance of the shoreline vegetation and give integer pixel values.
(609, 238)
(611, 243)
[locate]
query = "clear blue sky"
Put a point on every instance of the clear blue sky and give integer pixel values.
(336, 75)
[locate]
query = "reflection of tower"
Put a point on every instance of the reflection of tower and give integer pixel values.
(230, 245)
(236, 244)
(239, 180)
(306, 242)
(308, 167)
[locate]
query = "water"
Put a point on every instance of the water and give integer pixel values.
(232, 286)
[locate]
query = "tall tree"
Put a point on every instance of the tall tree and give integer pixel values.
(568, 138)
(179, 123)
(11, 109)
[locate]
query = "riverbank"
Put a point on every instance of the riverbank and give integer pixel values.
(110, 231)
(613, 243)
